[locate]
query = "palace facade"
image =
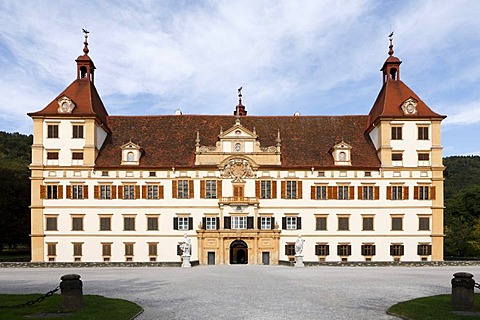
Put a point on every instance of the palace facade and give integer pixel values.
(241, 187)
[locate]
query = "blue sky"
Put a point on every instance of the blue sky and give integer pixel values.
(315, 57)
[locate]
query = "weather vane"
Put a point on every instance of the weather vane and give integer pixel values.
(390, 36)
(85, 32)
(240, 91)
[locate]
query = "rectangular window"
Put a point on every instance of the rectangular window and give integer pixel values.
(128, 192)
(210, 223)
(423, 192)
(211, 189)
(424, 223)
(52, 155)
(342, 193)
(290, 249)
(266, 223)
(128, 249)
(105, 223)
(183, 223)
(423, 133)
(322, 250)
(152, 248)
(423, 159)
(265, 189)
(343, 223)
(152, 192)
(291, 223)
(77, 191)
(239, 222)
(128, 223)
(77, 131)
(321, 223)
(321, 192)
(152, 223)
(368, 249)
(344, 250)
(51, 224)
(77, 248)
(105, 192)
(424, 249)
(397, 192)
(367, 223)
(77, 155)
(106, 249)
(396, 133)
(397, 156)
(291, 190)
(52, 192)
(77, 224)
(182, 189)
(397, 223)
(52, 131)
(51, 249)
(396, 249)
(367, 193)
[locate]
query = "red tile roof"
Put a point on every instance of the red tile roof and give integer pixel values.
(169, 141)
(85, 96)
(390, 99)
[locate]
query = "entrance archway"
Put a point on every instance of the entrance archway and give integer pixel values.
(238, 252)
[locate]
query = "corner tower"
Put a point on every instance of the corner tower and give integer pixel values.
(406, 135)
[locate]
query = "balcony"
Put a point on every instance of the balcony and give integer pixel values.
(238, 201)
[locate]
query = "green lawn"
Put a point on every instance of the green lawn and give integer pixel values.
(96, 307)
(431, 308)
(15, 256)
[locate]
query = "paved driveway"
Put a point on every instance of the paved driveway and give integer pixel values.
(249, 292)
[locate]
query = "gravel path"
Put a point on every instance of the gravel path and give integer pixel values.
(249, 292)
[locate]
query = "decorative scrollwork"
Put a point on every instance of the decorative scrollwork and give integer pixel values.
(238, 169)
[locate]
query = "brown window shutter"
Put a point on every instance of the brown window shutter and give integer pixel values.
(174, 189)
(389, 192)
(85, 192)
(60, 192)
(257, 189)
(432, 193)
(405, 193)
(120, 192)
(351, 193)
(415, 192)
(202, 189)
(360, 192)
(160, 192)
(137, 192)
(299, 190)
(96, 192)
(69, 192)
(283, 191)
(43, 192)
(335, 192)
(190, 189)
(329, 192)
(312, 193)
(114, 192)
(274, 189)
(144, 192)
(219, 189)
(376, 191)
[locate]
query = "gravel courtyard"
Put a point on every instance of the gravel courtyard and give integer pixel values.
(248, 291)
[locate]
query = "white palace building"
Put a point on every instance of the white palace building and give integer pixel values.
(242, 188)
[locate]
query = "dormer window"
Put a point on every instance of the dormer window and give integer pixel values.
(131, 154)
(341, 153)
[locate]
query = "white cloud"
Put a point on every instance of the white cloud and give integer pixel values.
(466, 114)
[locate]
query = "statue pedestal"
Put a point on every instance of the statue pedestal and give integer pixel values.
(186, 261)
(299, 261)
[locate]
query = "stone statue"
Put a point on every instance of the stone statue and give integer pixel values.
(186, 245)
(299, 245)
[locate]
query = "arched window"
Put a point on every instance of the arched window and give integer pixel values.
(393, 74)
(83, 72)
(130, 156)
(342, 156)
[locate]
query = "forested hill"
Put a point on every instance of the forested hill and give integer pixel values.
(15, 150)
(461, 172)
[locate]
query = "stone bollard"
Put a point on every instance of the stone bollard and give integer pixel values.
(72, 292)
(462, 291)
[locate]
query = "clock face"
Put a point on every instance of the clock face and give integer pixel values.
(65, 106)
(238, 147)
(410, 108)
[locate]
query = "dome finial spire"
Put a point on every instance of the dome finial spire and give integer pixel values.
(85, 34)
(390, 51)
